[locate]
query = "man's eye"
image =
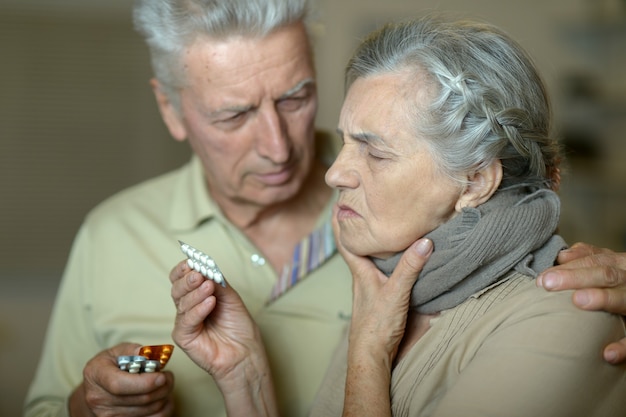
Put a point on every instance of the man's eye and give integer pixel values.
(233, 119)
(231, 122)
(291, 103)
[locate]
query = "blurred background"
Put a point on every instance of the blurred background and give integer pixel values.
(78, 122)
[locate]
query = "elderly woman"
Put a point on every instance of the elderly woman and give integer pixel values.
(446, 134)
(447, 143)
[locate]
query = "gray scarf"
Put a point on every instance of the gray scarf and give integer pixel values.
(515, 229)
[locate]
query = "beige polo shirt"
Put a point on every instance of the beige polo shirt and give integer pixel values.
(116, 289)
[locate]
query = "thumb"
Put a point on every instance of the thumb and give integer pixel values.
(124, 348)
(412, 262)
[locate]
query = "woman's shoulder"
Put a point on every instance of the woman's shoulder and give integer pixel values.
(517, 337)
(517, 302)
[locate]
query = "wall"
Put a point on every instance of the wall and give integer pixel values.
(78, 122)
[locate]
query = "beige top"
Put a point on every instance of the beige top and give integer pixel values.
(511, 350)
(116, 288)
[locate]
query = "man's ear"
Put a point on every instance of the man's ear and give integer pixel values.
(481, 186)
(169, 113)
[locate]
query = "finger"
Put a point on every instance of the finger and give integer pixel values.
(412, 262)
(191, 290)
(615, 353)
(184, 285)
(145, 388)
(601, 259)
(129, 406)
(195, 307)
(120, 349)
(410, 265)
(577, 250)
(107, 390)
(611, 300)
(141, 388)
(597, 276)
(179, 271)
(104, 379)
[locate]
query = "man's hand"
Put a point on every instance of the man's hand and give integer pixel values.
(599, 278)
(108, 391)
(214, 328)
(212, 325)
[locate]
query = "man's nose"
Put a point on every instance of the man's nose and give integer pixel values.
(272, 139)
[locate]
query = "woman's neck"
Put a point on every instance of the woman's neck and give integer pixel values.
(416, 326)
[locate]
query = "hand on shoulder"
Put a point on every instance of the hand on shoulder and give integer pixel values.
(598, 276)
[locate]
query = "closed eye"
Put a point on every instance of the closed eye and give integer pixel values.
(291, 103)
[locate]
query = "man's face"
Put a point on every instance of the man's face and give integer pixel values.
(248, 111)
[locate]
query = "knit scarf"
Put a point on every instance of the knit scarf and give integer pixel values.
(514, 230)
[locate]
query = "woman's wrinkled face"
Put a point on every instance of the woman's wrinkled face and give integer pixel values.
(391, 193)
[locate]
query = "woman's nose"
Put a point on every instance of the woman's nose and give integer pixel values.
(342, 173)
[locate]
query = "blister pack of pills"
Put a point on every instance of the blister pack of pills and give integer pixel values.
(202, 263)
(150, 359)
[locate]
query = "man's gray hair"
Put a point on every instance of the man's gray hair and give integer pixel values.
(488, 100)
(169, 26)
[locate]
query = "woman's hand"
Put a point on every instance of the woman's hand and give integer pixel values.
(380, 308)
(214, 328)
(599, 278)
(380, 304)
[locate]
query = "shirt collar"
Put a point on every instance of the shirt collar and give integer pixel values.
(191, 202)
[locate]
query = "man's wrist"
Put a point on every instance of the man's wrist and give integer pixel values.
(249, 390)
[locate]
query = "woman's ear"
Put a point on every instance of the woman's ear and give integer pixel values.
(481, 186)
(170, 115)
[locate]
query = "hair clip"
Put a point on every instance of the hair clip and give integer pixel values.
(202, 263)
(150, 359)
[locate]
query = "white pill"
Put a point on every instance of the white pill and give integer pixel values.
(151, 366)
(134, 368)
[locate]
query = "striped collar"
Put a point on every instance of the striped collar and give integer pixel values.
(312, 252)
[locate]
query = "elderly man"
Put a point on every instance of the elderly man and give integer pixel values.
(236, 80)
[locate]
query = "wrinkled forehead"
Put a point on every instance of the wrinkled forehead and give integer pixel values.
(218, 56)
(380, 111)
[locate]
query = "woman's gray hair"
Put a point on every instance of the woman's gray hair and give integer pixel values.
(169, 26)
(489, 101)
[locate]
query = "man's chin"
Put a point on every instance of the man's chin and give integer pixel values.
(277, 195)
